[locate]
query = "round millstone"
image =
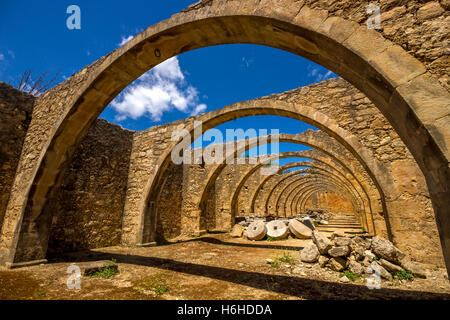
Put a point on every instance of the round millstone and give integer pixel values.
(299, 229)
(277, 229)
(256, 230)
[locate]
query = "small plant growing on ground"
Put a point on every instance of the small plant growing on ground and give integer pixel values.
(286, 258)
(316, 224)
(436, 268)
(404, 275)
(106, 272)
(375, 259)
(273, 239)
(349, 274)
(157, 284)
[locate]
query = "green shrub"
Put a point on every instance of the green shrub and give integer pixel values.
(286, 258)
(404, 275)
(106, 272)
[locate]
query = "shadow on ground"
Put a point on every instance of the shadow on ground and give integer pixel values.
(295, 286)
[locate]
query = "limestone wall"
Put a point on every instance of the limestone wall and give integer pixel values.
(88, 208)
(15, 114)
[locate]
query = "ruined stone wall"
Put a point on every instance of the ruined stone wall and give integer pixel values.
(16, 108)
(88, 208)
(246, 194)
(169, 205)
(420, 27)
(412, 217)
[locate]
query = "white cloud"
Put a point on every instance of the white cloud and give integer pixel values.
(2, 57)
(246, 62)
(321, 76)
(125, 40)
(199, 109)
(160, 90)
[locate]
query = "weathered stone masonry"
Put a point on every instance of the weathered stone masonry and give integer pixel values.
(402, 68)
(15, 110)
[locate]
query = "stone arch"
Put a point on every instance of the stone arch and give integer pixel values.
(310, 188)
(335, 174)
(321, 174)
(309, 191)
(317, 191)
(396, 82)
(296, 201)
(333, 162)
(286, 204)
(314, 139)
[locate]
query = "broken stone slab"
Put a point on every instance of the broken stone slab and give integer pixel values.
(323, 260)
(390, 266)
(237, 231)
(414, 267)
(385, 249)
(342, 241)
(355, 267)
(96, 266)
(344, 279)
(310, 253)
(300, 230)
(256, 230)
(323, 222)
(337, 234)
(339, 251)
(322, 242)
(376, 268)
(277, 229)
(337, 264)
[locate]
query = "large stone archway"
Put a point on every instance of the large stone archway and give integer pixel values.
(307, 191)
(276, 192)
(198, 190)
(359, 203)
(413, 102)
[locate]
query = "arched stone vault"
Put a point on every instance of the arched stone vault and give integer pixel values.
(335, 174)
(293, 188)
(310, 190)
(363, 185)
(287, 196)
(413, 101)
(193, 204)
(276, 195)
(325, 160)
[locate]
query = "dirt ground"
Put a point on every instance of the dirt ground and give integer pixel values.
(213, 266)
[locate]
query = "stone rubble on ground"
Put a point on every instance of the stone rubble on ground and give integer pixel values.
(358, 254)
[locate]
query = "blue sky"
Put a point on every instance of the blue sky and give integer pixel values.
(33, 35)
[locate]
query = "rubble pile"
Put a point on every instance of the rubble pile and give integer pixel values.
(359, 255)
(318, 216)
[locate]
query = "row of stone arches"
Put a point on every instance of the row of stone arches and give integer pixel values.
(413, 102)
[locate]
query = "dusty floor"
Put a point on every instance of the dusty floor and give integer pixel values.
(210, 267)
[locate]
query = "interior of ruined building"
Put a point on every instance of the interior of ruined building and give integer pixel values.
(374, 162)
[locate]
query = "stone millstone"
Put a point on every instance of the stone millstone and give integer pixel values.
(299, 229)
(277, 229)
(256, 230)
